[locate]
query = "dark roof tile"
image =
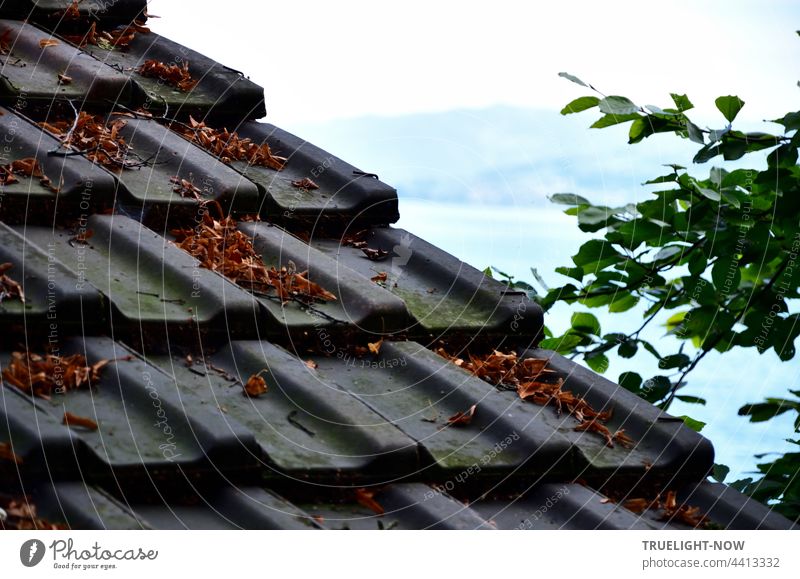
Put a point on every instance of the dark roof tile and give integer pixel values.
(31, 71)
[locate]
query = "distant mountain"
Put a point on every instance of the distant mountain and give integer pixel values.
(499, 155)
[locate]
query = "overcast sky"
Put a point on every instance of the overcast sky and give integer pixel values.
(327, 60)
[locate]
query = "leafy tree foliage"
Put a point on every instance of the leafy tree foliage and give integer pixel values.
(715, 256)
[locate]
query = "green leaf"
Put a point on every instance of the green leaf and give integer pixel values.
(611, 120)
(695, 425)
(697, 263)
(674, 361)
(573, 272)
(682, 102)
(691, 399)
(574, 79)
(622, 302)
(488, 271)
(630, 381)
(763, 411)
(568, 199)
(726, 274)
(598, 363)
(639, 130)
(594, 215)
(580, 104)
(729, 106)
(617, 105)
(585, 322)
(675, 321)
(656, 388)
(720, 472)
(628, 349)
(695, 134)
(790, 121)
(668, 252)
(563, 344)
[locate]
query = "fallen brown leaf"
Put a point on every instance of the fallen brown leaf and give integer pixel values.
(46, 42)
(255, 386)
(366, 498)
(462, 418)
(375, 347)
(75, 420)
(305, 183)
(9, 288)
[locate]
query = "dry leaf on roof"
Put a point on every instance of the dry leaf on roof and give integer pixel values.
(46, 42)
(185, 188)
(638, 505)
(173, 74)
(684, 513)
(305, 183)
(6, 453)
(64, 79)
(9, 288)
(366, 498)
(229, 146)
(375, 254)
(535, 382)
(462, 418)
(27, 167)
(72, 12)
(311, 364)
(100, 142)
(355, 239)
(255, 385)
(375, 347)
(221, 247)
(71, 419)
(42, 375)
(22, 515)
(380, 278)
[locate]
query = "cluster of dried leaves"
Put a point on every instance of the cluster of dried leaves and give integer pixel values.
(357, 240)
(671, 510)
(228, 146)
(22, 515)
(221, 247)
(118, 37)
(98, 141)
(27, 167)
(176, 75)
(9, 288)
(533, 381)
(42, 375)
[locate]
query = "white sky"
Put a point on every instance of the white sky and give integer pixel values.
(337, 59)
